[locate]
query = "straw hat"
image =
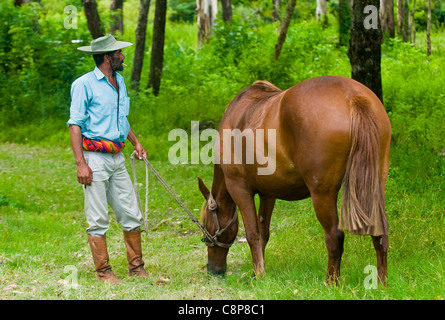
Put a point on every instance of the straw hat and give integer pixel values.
(104, 44)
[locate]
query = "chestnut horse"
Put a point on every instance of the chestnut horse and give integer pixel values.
(329, 131)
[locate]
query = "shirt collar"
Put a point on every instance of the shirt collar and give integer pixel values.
(99, 75)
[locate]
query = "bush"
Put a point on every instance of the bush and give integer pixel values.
(183, 10)
(414, 100)
(38, 63)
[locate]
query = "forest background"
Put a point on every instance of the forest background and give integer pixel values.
(39, 194)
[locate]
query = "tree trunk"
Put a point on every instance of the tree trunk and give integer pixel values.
(428, 27)
(18, 3)
(227, 10)
(139, 48)
(206, 13)
(116, 7)
(387, 17)
(276, 10)
(344, 21)
(283, 30)
(321, 11)
(413, 24)
(403, 19)
(157, 49)
(94, 25)
(365, 46)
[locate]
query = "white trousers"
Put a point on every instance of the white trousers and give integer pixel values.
(111, 185)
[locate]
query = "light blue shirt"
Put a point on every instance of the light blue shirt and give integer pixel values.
(98, 109)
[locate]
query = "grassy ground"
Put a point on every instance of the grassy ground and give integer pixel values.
(43, 242)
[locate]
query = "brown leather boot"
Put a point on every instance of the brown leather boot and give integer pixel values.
(98, 247)
(134, 253)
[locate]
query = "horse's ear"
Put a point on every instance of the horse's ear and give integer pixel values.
(204, 190)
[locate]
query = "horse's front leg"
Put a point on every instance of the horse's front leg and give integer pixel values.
(244, 199)
(253, 235)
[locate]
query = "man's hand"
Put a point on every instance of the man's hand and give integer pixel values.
(140, 151)
(84, 174)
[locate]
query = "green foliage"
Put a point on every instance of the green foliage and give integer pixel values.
(182, 10)
(437, 14)
(38, 64)
(415, 104)
(345, 11)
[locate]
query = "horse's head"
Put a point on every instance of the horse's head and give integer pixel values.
(219, 218)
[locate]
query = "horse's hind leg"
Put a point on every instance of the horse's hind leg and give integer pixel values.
(381, 248)
(381, 242)
(264, 215)
(325, 206)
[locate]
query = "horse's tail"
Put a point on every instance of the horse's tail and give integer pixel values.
(363, 199)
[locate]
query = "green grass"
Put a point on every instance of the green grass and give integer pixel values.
(42, 228)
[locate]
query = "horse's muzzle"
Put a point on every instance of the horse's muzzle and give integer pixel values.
(216, 271)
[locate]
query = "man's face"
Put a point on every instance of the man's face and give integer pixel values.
(116, 60)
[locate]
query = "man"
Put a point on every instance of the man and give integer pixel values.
(98, 128)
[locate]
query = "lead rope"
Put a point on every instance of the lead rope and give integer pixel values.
(135, 187)
(167, 187)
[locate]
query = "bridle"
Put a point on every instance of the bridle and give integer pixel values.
(212, 241)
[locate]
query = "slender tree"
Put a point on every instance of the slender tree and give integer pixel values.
(139, 48)
(284, 26)
(18, 3)
(157, 49)
(403, 19)
(413, 23)
(94, 25)
(344, 21)
(227, 10)
(428, 29)
(387, 17)
(365, 42)
(206, 14)
(276, 10)
(116, 7)
(321, 12)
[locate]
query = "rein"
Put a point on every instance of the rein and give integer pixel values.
(212, 240)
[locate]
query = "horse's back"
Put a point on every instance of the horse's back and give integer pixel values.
(250, 107)
(312, 121)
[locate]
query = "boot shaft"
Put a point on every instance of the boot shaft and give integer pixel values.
(98, 246)
(99, 251)
(133, 245)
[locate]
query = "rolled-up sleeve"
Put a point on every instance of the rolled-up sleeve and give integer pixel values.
(79, 104)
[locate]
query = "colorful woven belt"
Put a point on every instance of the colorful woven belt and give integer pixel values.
(104, 146)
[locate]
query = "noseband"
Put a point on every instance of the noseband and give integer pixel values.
(212, 241)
